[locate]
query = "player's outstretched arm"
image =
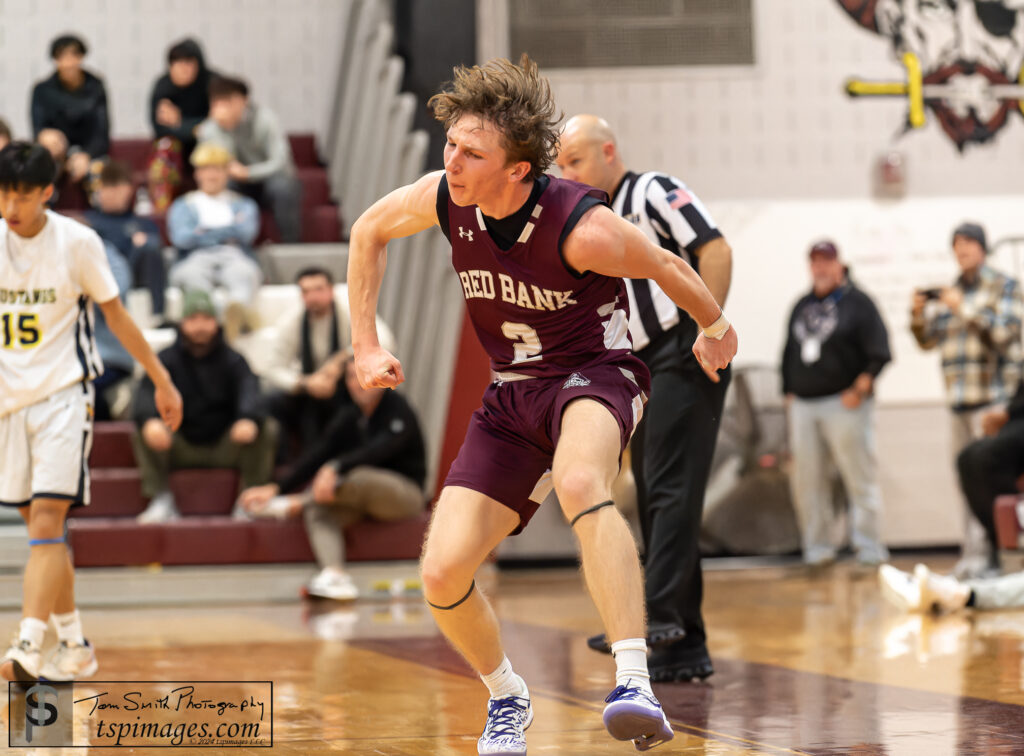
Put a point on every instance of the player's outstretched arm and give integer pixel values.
(168, 400)
(604, 243)
(403, 212)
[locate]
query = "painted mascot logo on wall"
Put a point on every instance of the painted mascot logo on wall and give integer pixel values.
(963, 61)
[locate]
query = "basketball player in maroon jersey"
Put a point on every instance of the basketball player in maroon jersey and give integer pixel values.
(540, 260)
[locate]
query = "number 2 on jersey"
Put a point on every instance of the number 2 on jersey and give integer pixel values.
(525, 341)
(19, 329)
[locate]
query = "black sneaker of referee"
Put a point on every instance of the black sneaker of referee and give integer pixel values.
(683, 661)
(658, 634)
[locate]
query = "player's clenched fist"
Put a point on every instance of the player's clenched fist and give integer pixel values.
(378, 368)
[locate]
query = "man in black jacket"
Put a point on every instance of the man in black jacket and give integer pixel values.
(369, 462)
(836, 346)
(224, 423)
(69, 110)
(180, 99)
(990, 466)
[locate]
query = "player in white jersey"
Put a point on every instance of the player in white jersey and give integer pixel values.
(51, 270)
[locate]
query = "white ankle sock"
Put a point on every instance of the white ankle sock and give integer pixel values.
(32, 630)
(69, 627)
(503, 682)
(631, 664)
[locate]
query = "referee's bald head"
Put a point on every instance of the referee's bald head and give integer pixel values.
(589, 127)
(588, 152)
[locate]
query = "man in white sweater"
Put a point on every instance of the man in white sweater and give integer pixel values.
(308, 355)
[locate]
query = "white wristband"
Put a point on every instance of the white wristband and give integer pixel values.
(718, 329)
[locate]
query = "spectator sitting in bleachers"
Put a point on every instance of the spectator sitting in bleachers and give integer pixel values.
(179, 102)
(263, 167)
(69, 115)
(224, 423)
(304, 377)
(369, 463)
(991, 466)
(137, 239)
(213, 229)
(117, 363)
(5, 134)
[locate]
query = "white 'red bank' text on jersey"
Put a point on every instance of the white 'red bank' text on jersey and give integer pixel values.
(47, 285)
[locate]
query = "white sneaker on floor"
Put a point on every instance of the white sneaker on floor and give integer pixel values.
(161, 509)
(922, 590)
(333, 585)
(70, 661)
(942, 592)
(900, 588)
(26, 659)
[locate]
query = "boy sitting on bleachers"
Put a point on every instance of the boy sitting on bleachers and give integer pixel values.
(262, 167)
(214, 229)
(137, 239)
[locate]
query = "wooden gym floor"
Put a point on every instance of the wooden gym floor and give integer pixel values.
(815, 664)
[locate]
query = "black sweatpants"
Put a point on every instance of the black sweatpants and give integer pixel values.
(989, 467)
(672, 450)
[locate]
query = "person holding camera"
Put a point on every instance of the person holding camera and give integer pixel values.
(836, 346)
(976, 324)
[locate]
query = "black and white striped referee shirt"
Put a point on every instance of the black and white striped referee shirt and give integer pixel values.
(674, 218)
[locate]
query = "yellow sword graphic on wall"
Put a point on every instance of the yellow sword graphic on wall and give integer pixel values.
(916, 91)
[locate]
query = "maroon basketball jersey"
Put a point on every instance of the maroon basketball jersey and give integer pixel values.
(531, 313)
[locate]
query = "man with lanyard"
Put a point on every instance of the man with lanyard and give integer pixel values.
(673, 446)
(836, 346)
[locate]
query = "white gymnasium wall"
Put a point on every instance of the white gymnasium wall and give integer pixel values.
(286, 49)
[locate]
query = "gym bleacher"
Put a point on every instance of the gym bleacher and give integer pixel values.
(357, 163)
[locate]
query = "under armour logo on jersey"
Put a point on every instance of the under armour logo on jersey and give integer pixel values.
(575, 380)
(465, 233)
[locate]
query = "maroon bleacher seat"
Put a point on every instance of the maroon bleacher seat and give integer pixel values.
(315, 190)
(376, 541)
(106, 534)
(135, 152)
(114, 541)
(1008, 522)
(277, 541)
(304, 149)
(204, 492)
(114, 492)
(205, 540)
(112, 445)
(321, 224)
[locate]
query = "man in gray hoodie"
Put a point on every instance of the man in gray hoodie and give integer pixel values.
(263, 166)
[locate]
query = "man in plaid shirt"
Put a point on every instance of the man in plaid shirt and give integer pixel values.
(976, 323)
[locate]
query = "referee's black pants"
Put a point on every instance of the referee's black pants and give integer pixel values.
(671, 458)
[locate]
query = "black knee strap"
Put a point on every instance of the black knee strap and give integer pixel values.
(452, 606)
(594, 508)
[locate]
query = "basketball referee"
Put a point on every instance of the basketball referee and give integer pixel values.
(673, 445)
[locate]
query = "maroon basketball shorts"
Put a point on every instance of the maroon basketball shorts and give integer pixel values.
(511, 439)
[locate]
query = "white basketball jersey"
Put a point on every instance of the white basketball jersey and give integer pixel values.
(47, 285)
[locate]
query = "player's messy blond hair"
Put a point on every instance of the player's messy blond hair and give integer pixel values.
(515, 98)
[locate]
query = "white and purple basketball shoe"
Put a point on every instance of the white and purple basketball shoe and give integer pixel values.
(505, 733)
(633, 714)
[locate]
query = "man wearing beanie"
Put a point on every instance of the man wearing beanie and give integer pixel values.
(976, 325)
(224, 423)
(836, 345)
